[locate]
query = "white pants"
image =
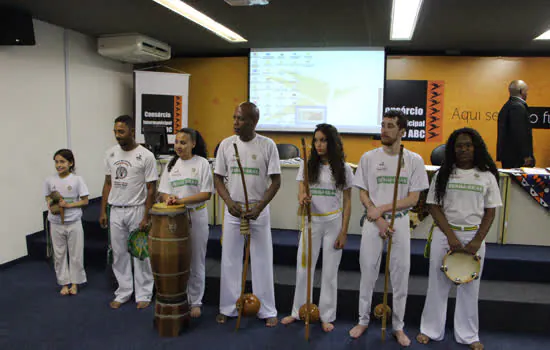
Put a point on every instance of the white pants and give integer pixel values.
(325, 233)
(370, 257)
(466, 323)
(68, 236)
(261, 262)
(123, 221)
(199, 241)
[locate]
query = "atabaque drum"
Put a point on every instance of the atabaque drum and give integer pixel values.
(170, 254)
(461, 267)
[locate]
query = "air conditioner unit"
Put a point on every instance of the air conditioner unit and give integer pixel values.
(133, 48)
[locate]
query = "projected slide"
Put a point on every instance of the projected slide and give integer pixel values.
(298, 89)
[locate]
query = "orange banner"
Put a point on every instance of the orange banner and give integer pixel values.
(434, 111)
(177, 114)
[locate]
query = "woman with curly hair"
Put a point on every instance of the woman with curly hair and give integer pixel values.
(462, 199)
(330, 180)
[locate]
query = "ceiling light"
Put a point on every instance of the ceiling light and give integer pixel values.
(403, 18)
(200, 18)
(247, 2)
(544, 36)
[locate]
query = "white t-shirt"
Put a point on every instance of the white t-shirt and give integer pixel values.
(468, 193)
(325, 197)
(187, 178)
(376, 174)
(259, 159)
(130, 171)
(71, 188)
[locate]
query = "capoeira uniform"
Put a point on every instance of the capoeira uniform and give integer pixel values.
(70, 235)
(376, 174)
(260, 159)
(187, 178)
(129, 171)
(326, 224)
(468, 194)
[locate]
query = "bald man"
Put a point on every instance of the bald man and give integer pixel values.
(515, 138)
(260, 161)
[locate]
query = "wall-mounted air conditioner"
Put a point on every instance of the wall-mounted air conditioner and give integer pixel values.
(133, 48)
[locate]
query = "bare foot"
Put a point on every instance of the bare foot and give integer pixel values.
(402, 338)
(64, 290)
(327, 327)
(221, 318)
(271, 322)
(73, 290)
(422, 338)
(357, 331)
(195, 312)
(476, 346)
(288, 320)
(115, 304)
(143, 304)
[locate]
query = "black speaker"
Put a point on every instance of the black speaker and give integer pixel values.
(16, 27)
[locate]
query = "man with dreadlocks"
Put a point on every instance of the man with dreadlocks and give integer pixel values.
(462, 199)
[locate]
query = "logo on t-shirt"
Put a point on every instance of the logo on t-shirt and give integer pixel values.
(390, 180)
(323, 192)
(138, 157)
(185, 182)
(465, 187)
(69, 187)
(254, 157)
(247, 171)
(121, 173)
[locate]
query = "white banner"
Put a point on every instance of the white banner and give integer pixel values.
(161, 100)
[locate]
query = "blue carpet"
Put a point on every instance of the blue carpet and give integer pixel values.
(34, 316)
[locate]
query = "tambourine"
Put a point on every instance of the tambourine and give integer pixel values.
(138, 245)
(461, 267)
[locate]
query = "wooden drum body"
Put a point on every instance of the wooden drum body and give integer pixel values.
(170, 253)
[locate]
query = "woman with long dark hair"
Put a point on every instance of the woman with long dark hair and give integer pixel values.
(330, 181)
(188, 180)
(462, 199)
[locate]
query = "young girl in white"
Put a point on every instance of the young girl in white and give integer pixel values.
(462, 199)
(330, 181)
(68, 235)
(188, 180)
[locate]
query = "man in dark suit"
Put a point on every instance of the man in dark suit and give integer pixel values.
(515, 138)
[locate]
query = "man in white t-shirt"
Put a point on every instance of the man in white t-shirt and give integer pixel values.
(463, 198)
(129, 190)
(375, 177)
(260, 161)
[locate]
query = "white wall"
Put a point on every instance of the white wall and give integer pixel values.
(34, 122)
(100, 90)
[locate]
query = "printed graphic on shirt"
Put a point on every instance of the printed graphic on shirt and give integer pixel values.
(69, 199)
(322, 192)
(247, 171)
(465, 187)
(121, 173)
(391, 180)
(184, 182)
